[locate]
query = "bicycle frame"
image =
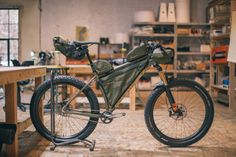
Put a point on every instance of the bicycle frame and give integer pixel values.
(139, 67)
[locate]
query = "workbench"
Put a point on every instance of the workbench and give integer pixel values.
(9, 76)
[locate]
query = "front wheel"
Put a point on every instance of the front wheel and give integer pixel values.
(72, 120)
(189, 123)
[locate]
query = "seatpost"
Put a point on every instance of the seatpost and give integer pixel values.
(90, 62)
(89, 58)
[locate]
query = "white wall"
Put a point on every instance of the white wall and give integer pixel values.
(29, 25)
(102, 17)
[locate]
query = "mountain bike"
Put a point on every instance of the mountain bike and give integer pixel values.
(177, 113)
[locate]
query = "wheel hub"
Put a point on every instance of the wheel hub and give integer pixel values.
(180, 113)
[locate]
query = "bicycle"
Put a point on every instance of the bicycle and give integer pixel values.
(178, 112)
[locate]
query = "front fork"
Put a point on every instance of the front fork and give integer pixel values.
(167, 89)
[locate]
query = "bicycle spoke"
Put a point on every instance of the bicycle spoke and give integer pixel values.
(66, 123)
(183, 125)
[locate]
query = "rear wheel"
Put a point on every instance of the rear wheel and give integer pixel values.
(69, 125)
(189, 123)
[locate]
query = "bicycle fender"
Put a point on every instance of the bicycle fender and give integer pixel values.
(159, 86)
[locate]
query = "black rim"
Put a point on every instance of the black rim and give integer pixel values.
(42, 126)
(198, 131)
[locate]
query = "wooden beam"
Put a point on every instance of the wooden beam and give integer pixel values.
(233, 5)
(132, 95)
(11, 115)
(9, 76)
(80, 69)
(232, 87)
(13, 74)
(23, 125)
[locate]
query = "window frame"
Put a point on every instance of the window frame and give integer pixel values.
(9, 39)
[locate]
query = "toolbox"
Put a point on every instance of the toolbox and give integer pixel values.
(219, 54)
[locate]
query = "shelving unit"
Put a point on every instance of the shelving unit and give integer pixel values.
(194, 53)
(193, 71)
(220, 37)
(192, 61)
(220, 87)
(154, 35)
(112, 51)
(168, 35)
(220, 19)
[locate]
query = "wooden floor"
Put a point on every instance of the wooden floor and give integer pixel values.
(129, 137)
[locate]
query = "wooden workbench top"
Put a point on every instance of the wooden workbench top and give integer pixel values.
(14, 74)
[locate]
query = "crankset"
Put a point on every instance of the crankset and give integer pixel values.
(107, 117)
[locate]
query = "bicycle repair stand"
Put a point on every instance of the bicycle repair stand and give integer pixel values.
(87, 143)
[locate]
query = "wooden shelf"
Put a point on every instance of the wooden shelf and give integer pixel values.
(154, 35)
(219, 87)
(220, 37)
(194, 53)
(153, 70)
(217, 24)
(154, 23)
(192, 24)
(192, 71)
(171, 23)
(192, 36)
(220, 63)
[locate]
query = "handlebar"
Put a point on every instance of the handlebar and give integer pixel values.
(151, 46)
(154, 45)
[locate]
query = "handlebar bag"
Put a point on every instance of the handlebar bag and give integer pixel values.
(165, 56)
(137, 53)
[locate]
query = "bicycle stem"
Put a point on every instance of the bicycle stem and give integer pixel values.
(163, 78)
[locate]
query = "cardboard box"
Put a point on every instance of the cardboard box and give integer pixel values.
(205, 48)
(183, 31)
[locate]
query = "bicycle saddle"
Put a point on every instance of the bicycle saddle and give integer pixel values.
(78, 43)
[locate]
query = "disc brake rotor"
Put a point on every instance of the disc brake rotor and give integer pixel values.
(180, 113)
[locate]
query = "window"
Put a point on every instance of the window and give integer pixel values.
(9, 35)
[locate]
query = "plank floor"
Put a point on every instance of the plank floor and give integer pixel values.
(129, 137)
